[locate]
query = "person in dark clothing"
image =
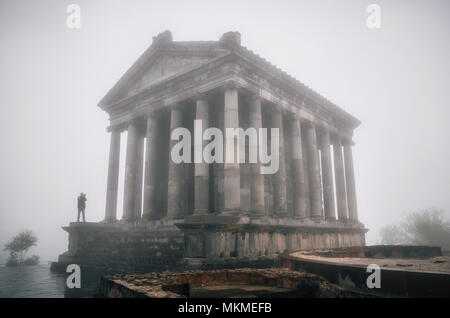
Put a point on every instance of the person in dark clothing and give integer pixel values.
(81, 206)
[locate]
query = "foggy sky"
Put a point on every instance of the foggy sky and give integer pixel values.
(53, 138)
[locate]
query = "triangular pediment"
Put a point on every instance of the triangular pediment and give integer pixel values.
(159, 64)
(166, 59)
(165, 66)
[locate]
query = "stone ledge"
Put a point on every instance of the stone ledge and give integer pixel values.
(395, 282)
(151, 227)
(212, 225)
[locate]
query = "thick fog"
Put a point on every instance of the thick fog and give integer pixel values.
(53, 137)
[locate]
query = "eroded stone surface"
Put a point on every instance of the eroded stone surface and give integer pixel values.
(178, 284)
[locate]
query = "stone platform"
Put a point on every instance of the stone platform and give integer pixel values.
(405, 271)
(122, 246)
(204, 242)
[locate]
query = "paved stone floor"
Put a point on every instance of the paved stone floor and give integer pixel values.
(434, 264)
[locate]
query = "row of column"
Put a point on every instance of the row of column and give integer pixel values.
(320, 171)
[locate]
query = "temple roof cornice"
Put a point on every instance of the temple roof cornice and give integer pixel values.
(242, 63)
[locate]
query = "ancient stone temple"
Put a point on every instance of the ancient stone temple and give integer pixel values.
(219, 210)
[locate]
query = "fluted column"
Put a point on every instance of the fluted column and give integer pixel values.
(232, 178)
(327, 177)
(341, 195)
(279, 178)
(151, 167)
(298, 168)
(139, 175)
(113, 177)
(130, 172)
(314, 173)
(350, 182)
(201, 181)
(257, 179)
(174, 195)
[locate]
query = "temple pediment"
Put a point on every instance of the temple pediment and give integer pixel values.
(164, 67)
(165, 63)
(162, 60)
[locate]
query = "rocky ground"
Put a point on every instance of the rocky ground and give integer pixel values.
(246, 282)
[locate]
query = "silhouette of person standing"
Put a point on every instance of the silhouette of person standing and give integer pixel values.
(81, 206)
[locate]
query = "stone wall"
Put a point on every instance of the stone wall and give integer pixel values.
(122, 247)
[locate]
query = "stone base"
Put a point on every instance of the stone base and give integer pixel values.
(221, 241)
(215, 237)
(123, 247)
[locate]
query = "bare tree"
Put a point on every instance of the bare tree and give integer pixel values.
(19, 246)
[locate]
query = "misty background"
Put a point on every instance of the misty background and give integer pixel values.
(53, 138)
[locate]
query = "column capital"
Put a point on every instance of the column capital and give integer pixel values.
(347, 142)
(134, 121)
(201, 96)
(115, 128)
(151, 114)
(255, 96)
(309, 124)
(323, 130)
(230, 84)
(275, 109)
(139, 123)
(175, 106)
(324, 137)
(336, 139)
(292, 116)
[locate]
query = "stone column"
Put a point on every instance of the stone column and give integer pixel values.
(314, 174)
(113, 177)
(350, 182)
(257, 179)
(151, 167)
(130, 172)
(201, 179)
(341, 195)
(298, 168)
(139, 175)
(175, 177)
(232, 178)
(327, 177)
(279, 178)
